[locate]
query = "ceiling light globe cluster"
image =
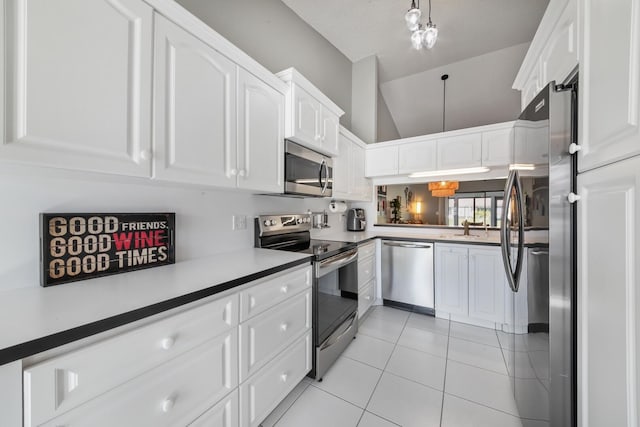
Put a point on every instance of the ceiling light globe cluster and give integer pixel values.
(421, 36)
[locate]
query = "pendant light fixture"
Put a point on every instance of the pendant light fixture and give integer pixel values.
(421, 36)
(443, 188)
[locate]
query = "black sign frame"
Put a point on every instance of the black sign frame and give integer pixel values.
(81, 246)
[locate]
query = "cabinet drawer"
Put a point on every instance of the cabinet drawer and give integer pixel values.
(265, 295)
(224, 414)
(367, 250)
(172, 394)
(263, 336)
(366, 270)
(59, 384)
(262, 392)
(366, 296)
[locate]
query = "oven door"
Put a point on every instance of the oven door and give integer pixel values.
(335, 302)
(306, 172)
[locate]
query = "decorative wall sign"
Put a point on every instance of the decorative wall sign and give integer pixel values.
(80, 246)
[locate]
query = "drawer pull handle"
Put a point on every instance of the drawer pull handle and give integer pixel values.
(167, 405)
(284, 289)
(284, 377)
(284, 327)
(167, 343)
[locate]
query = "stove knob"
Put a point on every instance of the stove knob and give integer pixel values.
(267, 222)
(307, 220)
(299, 220)
(273, 222)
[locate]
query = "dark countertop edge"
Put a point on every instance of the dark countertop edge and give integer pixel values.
(440, 240)
(38, 345)
(451, 227)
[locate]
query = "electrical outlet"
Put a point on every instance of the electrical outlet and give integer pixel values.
(239, 222)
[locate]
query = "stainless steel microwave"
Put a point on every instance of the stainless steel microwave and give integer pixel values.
(306, 172)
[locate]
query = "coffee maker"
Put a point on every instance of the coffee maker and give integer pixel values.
(356, 220)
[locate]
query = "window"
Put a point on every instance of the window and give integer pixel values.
(476, 208)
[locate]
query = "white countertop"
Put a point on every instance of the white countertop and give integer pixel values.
(35, 313)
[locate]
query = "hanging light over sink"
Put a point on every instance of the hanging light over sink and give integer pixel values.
(443, 188)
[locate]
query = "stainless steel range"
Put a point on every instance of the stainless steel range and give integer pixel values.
(335, 283)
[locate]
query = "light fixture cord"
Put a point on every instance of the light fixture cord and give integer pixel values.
(429, 11)
(444, 97)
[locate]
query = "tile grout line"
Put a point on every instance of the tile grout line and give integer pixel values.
(482, 404)
(444, 383)
(395, 345)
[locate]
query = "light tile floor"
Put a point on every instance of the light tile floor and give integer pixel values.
(407, 369)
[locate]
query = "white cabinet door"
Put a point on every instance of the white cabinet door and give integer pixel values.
(224, 414)
(78, 85)
(452, 279)
(487, 282)
(195, 122)
(417, 157)
(361, 186)
(497, 147)
(341, 169)
(330, 129)
(608, 298)
(306, 118)
(464, 151)
(260, 135)
(366, 296)
(609, 82)
(11, 394)
(382, 161)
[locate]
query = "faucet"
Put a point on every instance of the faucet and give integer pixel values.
(466, 227)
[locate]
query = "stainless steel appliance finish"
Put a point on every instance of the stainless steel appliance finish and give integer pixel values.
(544, 327)
(538, 289)
(335, 282)
(407, 275)
(306, 172)
(356, 219)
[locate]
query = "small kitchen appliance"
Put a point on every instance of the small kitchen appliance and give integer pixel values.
(356, 220)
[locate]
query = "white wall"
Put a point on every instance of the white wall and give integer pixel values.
(203, 217)
(387, 130)
(273, 35)
(364, 99)
(478, 93)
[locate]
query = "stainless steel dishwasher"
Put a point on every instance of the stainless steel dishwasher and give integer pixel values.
(407, 275)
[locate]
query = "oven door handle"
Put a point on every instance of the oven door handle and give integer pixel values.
(334, 263)
(334, 339)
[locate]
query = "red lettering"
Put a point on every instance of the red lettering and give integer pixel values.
(144, 239)
(158, 238)
(122, 240)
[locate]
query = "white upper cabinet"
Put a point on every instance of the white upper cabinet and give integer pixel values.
(195, 122)
(78, 84)
(260, 135)
(609, 82)
(417, 156)
(382, 161)
(553, 53)
(311, 119)
(528, 136)
(463, 151)
(497, 147)
(349, 182)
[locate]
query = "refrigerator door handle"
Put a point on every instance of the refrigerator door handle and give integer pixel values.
(513, 181)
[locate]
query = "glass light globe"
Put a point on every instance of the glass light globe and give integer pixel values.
(413, 18)
(430, 36)
(416, 38)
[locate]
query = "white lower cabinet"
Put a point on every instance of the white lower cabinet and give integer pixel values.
(262, 392)
(172, 394)
(224, 414)
(366, 277)
(470, 284)
(184, 368)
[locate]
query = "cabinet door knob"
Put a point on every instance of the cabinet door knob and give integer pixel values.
(574, 148)
(167, 404)
(284, 377)
(284, 289)
(144, 154)
(284, 327)
(573, 197)
(233, 172)
(167, 343)
(242, 172)
(367, 297)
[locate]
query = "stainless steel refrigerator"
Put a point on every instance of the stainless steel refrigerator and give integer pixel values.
(538, 236)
